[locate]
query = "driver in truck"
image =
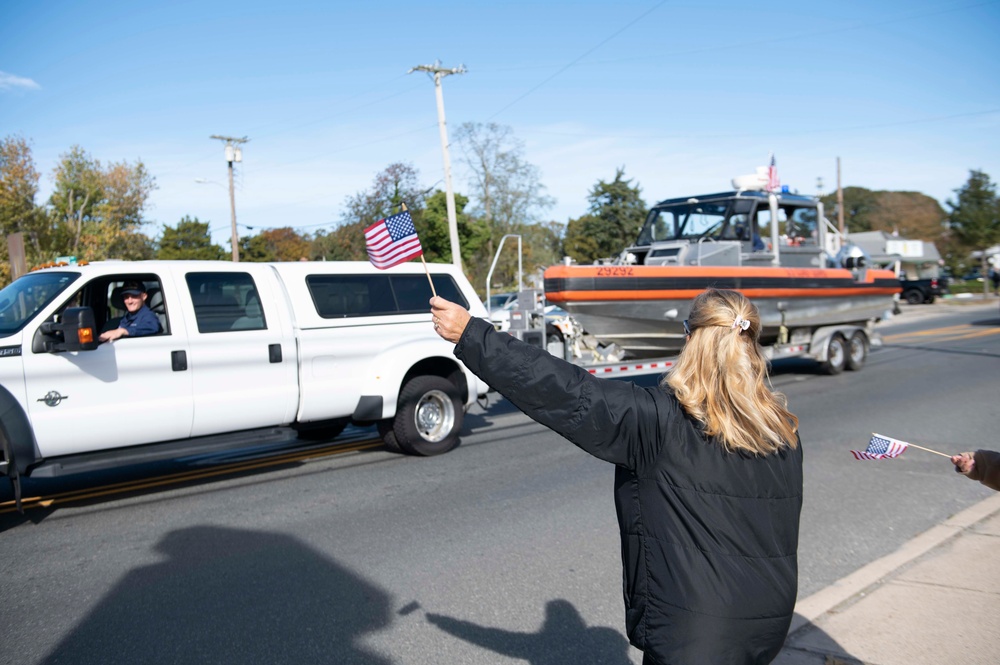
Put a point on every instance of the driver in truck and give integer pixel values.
(139, 319)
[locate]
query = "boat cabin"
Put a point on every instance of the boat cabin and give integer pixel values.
(739, 228)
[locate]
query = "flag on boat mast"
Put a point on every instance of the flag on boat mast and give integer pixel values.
(773, 183)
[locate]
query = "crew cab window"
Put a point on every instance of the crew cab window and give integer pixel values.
(225, 301)
(344, 296)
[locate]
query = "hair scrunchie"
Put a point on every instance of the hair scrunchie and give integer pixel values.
(741, 323)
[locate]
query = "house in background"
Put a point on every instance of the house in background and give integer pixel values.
(911, 259)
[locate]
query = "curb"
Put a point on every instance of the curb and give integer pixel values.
(825, 600)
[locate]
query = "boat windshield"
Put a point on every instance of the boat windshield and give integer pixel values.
(695, 219)
(23, 298)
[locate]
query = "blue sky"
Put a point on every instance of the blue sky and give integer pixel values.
(683, 95)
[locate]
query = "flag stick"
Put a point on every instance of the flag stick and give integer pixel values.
(433, 292)
(913, 445)
(402, 207)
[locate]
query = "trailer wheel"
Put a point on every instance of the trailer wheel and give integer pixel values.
(428, 418)
(836, 355)
(857, 351)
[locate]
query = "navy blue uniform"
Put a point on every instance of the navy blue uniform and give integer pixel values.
(142, 322)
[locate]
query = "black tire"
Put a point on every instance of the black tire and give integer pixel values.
(836, 356)
(428, 418)
(388, 436)
(857, 351)
(914, 297)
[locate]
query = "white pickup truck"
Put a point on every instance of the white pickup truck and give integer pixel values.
(247, 350)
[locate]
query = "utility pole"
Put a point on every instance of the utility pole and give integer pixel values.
(840, 202)
(233, 154)
(439, 72)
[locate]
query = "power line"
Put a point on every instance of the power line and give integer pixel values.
(581, 57)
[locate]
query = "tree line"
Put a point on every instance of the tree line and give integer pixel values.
(96, 211)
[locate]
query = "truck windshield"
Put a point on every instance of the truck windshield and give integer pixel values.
(24, 297)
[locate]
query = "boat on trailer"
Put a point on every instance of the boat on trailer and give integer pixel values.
(776, 248)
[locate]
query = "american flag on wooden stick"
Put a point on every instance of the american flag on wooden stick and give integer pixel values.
(881, 447)
(392, 241)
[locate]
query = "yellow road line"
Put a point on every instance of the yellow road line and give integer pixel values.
(948, 333)
(176, 478)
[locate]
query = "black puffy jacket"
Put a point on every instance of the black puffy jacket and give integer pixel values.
(708, 537)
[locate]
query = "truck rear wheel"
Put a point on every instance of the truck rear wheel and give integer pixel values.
(428, 418)
(857, 351)
(914, 297)
(836, 355)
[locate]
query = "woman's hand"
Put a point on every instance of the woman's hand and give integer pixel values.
(964, 463)
(449, 319)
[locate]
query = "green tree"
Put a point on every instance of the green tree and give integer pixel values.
(974, 218)
(615, 216)
(256, 249)
(189, 240)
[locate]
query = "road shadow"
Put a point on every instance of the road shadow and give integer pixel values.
(809, 644)
(225, 595)
(563, 638)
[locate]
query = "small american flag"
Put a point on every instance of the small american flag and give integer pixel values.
(392, 240)
(773, 184)
(881, 447)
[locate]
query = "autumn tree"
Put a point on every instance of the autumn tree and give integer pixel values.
(98, 210)
(974, 218)
(283, 244)
(18, 211)
(614, 218)
(910, 214)
(189, 240)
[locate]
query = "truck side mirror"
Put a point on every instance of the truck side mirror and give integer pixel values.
(75, 331)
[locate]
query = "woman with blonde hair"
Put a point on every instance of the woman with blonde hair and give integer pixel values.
(708, 479)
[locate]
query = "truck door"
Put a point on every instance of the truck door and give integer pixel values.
(243, 354)
(123, 393)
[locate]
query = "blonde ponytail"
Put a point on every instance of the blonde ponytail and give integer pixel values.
(720, 377)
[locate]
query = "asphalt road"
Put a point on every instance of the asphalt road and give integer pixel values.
(503, 551)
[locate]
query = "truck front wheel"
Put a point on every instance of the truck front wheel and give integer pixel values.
(428, 418)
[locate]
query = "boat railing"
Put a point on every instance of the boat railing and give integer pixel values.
(834, 239)
(720, 248)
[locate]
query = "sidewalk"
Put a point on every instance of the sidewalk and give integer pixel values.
(934, 601)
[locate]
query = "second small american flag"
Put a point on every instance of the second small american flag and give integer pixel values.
(392, 240)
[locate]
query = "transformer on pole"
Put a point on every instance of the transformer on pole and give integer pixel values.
(233, 154)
